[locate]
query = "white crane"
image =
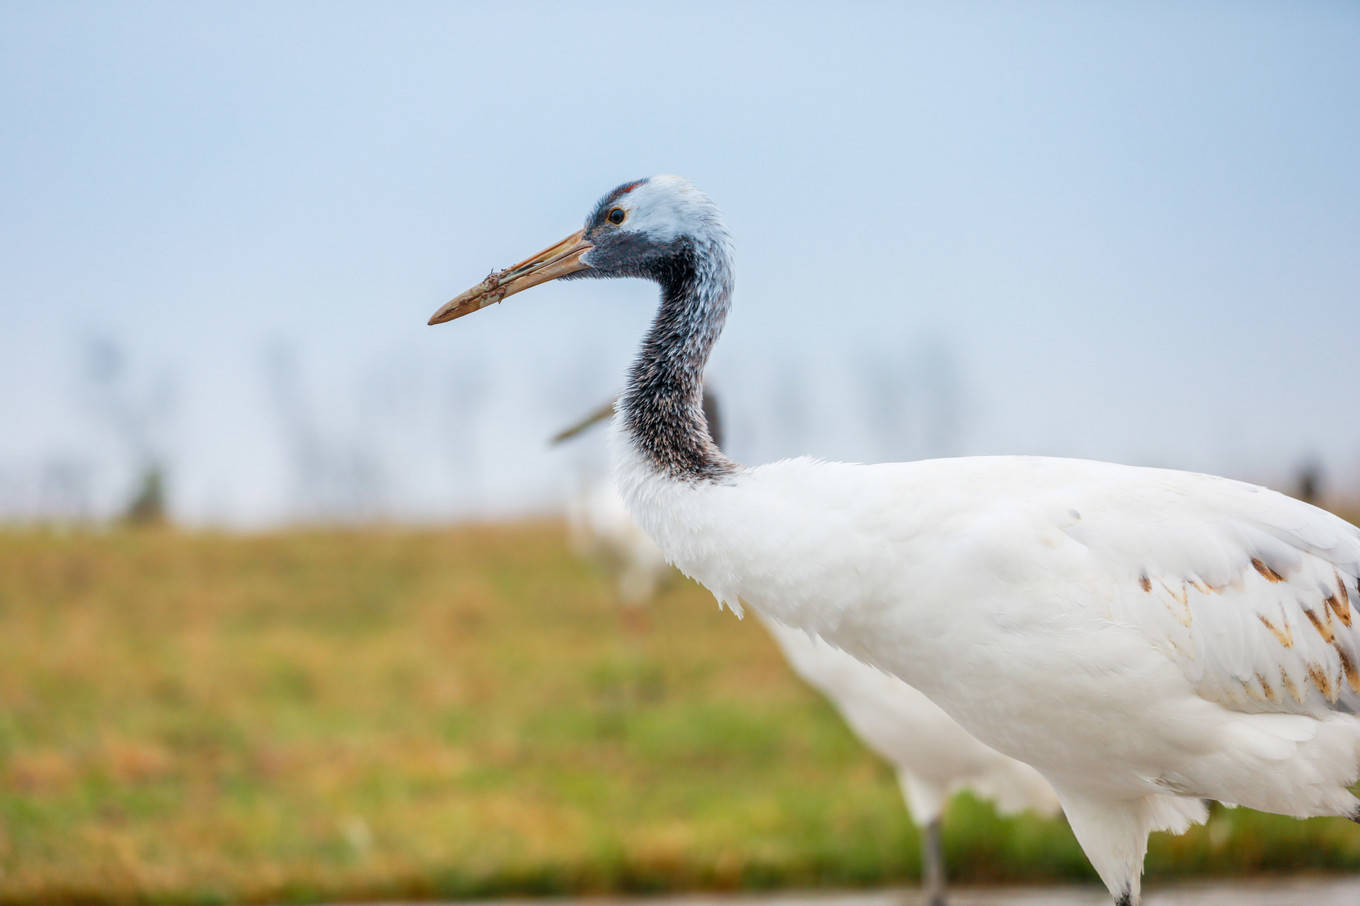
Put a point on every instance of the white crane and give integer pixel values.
(1145, 638)
(933, 756)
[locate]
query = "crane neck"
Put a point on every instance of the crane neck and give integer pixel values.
(662, 406)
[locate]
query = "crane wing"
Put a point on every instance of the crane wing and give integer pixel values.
(1252, 593)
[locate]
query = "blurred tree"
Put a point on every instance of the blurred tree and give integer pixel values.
(1308, 482)
(335, 475)
(147, 506)
(913, 399)
(135, 413)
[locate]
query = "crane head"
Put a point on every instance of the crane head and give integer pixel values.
(640, 229)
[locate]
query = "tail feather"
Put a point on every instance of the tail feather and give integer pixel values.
(1113, 832)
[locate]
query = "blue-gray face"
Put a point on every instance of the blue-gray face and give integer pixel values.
(647, 228)
(621, 250)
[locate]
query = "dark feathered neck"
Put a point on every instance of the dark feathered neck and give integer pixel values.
(662, 407)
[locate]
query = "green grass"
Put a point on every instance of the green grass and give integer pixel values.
(207, 718)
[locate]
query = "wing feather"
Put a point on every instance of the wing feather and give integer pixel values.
(1253, 594)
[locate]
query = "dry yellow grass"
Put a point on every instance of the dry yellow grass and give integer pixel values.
(201, 717)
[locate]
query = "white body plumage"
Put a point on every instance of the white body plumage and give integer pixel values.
(1143, 637)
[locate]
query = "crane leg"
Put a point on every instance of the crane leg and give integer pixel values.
(932, 863)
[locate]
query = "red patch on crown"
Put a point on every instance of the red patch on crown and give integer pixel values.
(624, 190)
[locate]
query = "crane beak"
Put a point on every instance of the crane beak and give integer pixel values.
(553, 262)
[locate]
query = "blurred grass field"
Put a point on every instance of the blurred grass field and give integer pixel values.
(389, 713)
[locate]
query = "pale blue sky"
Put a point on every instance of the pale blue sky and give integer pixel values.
(1130, 231)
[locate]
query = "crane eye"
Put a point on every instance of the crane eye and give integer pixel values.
(616, 216)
